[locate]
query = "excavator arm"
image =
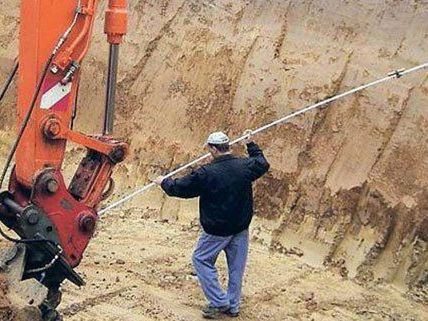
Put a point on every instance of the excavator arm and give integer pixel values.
(55, 222)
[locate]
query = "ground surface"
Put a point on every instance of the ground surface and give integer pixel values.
(138, 269)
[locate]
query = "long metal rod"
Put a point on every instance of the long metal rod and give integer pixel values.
(394, 75)
(111, 89)
(9, 80)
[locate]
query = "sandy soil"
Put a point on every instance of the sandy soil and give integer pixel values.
(138, 268)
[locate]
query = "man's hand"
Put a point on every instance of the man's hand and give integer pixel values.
(158, 180)
(249, 136)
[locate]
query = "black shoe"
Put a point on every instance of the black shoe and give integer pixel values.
(231, 314)
(210, 312)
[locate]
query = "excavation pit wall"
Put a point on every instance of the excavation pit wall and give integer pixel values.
(348, 183)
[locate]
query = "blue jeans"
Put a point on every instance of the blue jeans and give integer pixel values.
(204, 259)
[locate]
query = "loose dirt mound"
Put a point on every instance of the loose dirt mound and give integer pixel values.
(8, 312)
(5, 308)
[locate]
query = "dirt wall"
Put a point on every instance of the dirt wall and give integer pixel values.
(348, 185)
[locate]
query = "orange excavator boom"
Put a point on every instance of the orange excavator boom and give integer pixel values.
(55, 222)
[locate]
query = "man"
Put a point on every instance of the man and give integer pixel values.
(226, 208)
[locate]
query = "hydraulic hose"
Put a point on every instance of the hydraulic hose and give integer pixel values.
(9, 80)
(26, 120)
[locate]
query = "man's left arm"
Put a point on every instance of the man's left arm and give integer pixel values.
(257, 161)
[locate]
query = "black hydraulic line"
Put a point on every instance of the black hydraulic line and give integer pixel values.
(19, 210)
(24, 241)
(9, 81)
(33, 241)
(26, 119)
(15, 207)
(74, 114)
(111, 89)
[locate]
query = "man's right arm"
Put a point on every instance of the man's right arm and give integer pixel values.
(185, 187)
(257, 162)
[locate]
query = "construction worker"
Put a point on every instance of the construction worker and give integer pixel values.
(226, 208)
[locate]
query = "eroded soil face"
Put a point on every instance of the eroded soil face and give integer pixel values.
(348, 183)
(346, 197)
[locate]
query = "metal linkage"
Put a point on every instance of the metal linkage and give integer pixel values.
(48, 265)
(393, 75)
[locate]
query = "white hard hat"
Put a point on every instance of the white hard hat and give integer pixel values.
(217, 138)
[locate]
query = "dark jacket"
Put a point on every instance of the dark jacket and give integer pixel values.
(225, 190)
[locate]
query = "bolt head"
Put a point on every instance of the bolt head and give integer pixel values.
(33, 217)
(118, 155)
(87, 223)
(52, 185)
(54, 129)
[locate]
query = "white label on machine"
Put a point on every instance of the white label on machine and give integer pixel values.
(54, 95)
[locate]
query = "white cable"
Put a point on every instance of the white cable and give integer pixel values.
(396, 74)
